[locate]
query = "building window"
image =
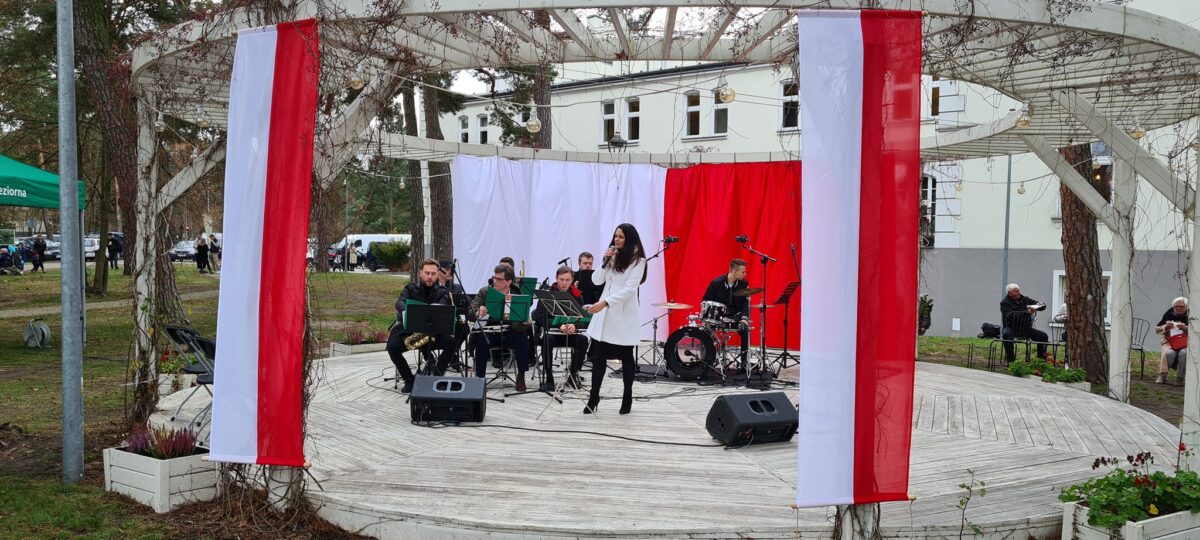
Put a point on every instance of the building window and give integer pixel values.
(1060, 296)
(464, 129)
(693, 114)
(483, 129)
(608, 111)
(720, 115)
(928, 210)
(633, 119)
(791, 105)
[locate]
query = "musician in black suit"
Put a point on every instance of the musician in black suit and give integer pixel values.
(462, 313)
(589, 292)
(514, 336)
(722, 289)
(572, 335)
(429, 291)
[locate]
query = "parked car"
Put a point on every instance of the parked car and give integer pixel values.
(184, 250)
(53, 250)
(90, 247)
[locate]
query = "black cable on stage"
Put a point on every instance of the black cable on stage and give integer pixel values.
(445, 424)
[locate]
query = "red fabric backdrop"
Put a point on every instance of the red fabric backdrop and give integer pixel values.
(706, 206)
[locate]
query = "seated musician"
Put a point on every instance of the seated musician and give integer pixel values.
(514, 336)
(721, 290)
(462, 305)
(572, 337)
(427, 290)
(589, 291)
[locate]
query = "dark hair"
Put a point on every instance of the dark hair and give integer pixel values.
(446, 264)
(508, 260)
(428, 262)
(632, 251)
(736, 263)
(506, 270)
(585, 255)
(563, 270)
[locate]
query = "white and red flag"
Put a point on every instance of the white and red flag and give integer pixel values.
(860, 84)
(256, 410)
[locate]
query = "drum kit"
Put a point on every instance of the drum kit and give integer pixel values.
(702, 346)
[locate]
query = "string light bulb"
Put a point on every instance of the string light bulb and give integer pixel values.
(533, 125)
(1196, 144)
(1024, 121)
(725, 94)
(1021, 189)
(159, 125)
(357, 80)
(958, 186)
(1137, 132)
(201, 118)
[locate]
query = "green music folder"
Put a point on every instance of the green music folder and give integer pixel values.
(518, 307)
(411, 303)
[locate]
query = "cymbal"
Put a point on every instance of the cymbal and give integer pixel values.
(671, 305)
(760, 306)
(749, 291)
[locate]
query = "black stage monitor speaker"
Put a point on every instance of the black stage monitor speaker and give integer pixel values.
(453, 399)
(744, 419)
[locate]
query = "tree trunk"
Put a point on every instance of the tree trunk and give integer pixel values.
(104, 205)
(416, 199)
(441, 193)
(541, 90)
(107, 74)
(1085, 291)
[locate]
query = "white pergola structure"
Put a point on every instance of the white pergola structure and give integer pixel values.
(1084, 72)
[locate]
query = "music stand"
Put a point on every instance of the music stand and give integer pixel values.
(558, 308)
(434, 319)
(785, 298)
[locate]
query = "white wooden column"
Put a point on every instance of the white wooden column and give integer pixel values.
(145, 241)
(1121, 304)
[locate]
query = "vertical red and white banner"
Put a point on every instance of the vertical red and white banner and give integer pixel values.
(256, 414)
(860, 84)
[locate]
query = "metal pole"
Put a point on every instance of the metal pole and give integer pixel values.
(1007, 216)
(72, 250)
(346, 249)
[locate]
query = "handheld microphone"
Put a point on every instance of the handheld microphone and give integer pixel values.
(741, 239)
(564, 261)
(607, 258)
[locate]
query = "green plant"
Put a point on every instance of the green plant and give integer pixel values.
(393, 255)
(1046, 370)
(1135, 494)
(964, 500)
(924, 305)
(162, 443)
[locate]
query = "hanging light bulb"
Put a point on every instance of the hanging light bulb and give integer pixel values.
(1137, 132)
(1024, 121)
(1021, 189)
(159, 125)
(357, 80)
(958, 186)
(1196, 145)
(533, 125)
(725, 94)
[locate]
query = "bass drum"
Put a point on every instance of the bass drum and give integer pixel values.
(691, 352)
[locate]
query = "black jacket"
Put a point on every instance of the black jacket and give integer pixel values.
(436, 294)
(590, 293)
(1171, 316)
(1010, 306)
(718, 291)
(481, 299)
(539, 313)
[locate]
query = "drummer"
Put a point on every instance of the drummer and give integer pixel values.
(724, 289)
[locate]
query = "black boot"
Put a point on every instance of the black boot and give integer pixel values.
(407, 388)
(626, 403)
(593, 402)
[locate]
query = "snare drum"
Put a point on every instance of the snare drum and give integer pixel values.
(712, 311)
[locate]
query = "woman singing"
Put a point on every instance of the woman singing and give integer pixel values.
(615, 325)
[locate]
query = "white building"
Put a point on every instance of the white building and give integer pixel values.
(661, 107)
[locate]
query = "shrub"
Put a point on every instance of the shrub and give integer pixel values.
(1135, 494)
(163, 443)
(393, 255)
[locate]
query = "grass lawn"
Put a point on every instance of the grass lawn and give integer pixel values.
(31, 290)
(33, 502)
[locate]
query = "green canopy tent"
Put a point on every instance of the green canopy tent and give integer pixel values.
(26, 185)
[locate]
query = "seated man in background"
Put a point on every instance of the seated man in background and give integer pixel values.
(509, 335)
(1173, 327)
(570, 335)
(426, 290)
(1017, 314)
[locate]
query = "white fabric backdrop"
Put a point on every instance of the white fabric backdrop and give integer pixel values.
(542, 211)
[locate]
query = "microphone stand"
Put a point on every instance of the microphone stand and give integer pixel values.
(456, 277)
(763, 381)
(657, 362)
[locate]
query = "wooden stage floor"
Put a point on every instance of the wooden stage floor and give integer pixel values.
(384, 477)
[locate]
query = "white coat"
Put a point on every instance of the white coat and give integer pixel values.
(619, 323)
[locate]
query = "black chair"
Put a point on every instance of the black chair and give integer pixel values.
(1018, 327)
(1137, 342)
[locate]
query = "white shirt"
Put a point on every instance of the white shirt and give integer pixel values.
(618, 324)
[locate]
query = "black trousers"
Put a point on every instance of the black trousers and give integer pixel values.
(600, 353)
(1010, 352)
(396, 350)
(578, 344)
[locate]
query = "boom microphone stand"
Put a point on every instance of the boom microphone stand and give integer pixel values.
(786, 356)
(643, 373)
(763, 381)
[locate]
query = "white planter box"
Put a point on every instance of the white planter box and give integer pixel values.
(1177, 526)
(1085, 386)
(166, 387)
(162, 484)
(341, 349)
